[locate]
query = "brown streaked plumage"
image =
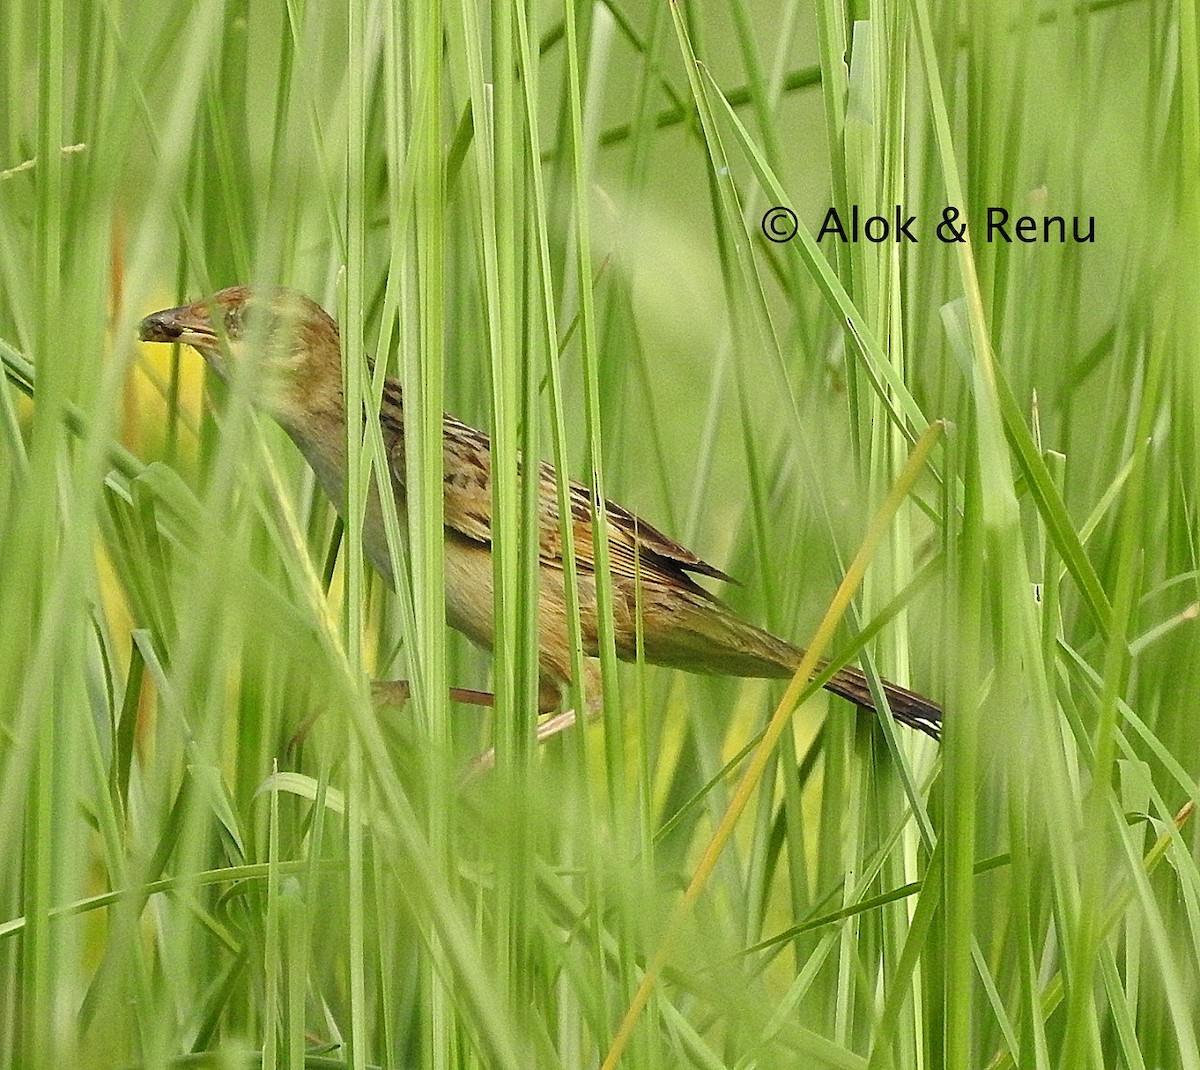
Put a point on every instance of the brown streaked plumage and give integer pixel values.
(683, 625)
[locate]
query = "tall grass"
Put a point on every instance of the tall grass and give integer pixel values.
(547, 221)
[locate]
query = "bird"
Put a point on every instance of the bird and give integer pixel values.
(684, 626)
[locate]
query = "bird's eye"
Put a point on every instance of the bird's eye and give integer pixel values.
(233, 322)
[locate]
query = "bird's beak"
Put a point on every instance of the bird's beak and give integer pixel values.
(188, 325)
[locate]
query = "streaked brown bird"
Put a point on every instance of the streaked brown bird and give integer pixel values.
(300, 360)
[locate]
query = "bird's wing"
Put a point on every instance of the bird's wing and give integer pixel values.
(634, 545)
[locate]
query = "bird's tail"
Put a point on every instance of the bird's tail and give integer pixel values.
(907, 707)
(723, 643)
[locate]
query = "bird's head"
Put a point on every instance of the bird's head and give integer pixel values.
(293, 340)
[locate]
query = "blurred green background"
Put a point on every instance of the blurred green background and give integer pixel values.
(547, 221)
